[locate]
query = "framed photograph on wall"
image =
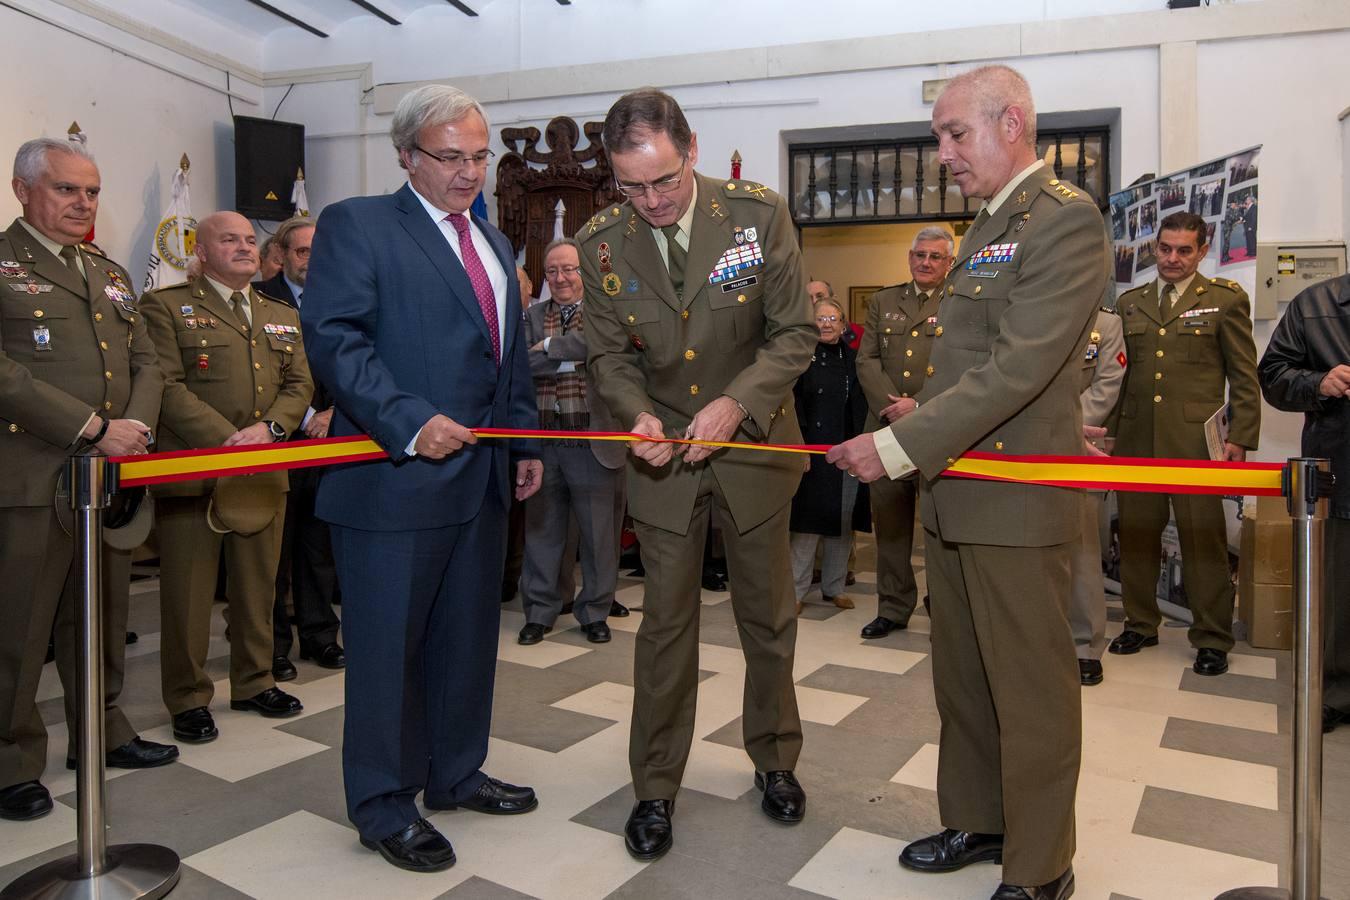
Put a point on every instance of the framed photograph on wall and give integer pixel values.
(858, 298)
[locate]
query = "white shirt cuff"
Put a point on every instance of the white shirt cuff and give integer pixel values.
(546, 340)
(84, 428)
(413, 443)
(309, 414)
(893, 456)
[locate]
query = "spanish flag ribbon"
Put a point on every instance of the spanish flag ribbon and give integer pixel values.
(1176, 476)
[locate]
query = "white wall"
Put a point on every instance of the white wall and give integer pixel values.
(139, 118)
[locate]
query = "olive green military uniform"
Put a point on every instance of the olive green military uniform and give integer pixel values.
(893, 360)
(1007, 370)
(70, 345)
(221, 376)
(741, 332)
(1180, 360)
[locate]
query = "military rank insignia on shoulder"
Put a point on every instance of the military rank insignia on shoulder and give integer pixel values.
(748, 189)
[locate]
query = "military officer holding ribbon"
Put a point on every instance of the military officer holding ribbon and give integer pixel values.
(697, 326)
(1187, 337)
(892, 367)
(235, 375)
(77, 369)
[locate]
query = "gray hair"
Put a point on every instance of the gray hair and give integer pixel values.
(935, 233)
(30, 163)
(431, 104)
(831, 301)
(996, 88)
(563, 242)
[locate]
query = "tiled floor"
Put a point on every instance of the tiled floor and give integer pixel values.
(1183, 792)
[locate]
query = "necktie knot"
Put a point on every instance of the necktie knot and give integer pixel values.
(71, 257)
(460, 223)
(239, 303)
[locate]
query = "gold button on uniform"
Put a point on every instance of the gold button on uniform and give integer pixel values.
(930, 370)
(1157, 398)
(689, 354)
(909, 352)
(632, 320)
(203, 342)
(693, 390)
(260, 388)
(950, 290)
(1158, 354)
(888, 331)
(288, 349)
(103, 344)
(13, 429)
(906, 374)
(98, 317)
(911, 334)
(37, 313)
(998, 445)
(740, 298)
(731, 185)
(684, 314)
(1157, 376)
(1162, 331)
(107, 404)
(107, 375)
(253, 343)
(938, 331)
(978, 288)
(257, 365)
(257, 414)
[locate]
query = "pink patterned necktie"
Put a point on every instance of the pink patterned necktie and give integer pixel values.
(478, 277)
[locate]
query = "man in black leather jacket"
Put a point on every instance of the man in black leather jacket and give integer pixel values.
(1306, 368)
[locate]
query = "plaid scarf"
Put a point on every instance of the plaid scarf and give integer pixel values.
(562, 396)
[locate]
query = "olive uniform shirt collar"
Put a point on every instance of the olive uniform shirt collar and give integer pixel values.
(685, 224)
(50, 245)
(226, 292)
(993, 204)
(1182, 286)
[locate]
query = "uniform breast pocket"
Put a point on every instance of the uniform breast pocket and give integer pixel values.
(1201, 341)
(205, 356)
(964, 323)
(738, 314)
(38, 336)
(641, 320)
(283, 352)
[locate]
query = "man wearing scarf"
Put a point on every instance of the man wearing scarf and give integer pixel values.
(581, 478)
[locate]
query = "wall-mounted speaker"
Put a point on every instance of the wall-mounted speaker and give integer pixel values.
(267, 156)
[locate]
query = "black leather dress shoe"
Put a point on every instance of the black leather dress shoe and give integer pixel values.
(1059, 889)
(784, 800)
(329, 656)
(532, 633)
(273, 703)
(1209, 661)
(951, 850)
(648, 833)
(417, 848)
(882, 626)
(136, 754)
(1331, 717)
(195, 726)
(1132, 642)
(1090, 672)
(713, 582)
(283, 669)
(618, 610)
(496, 798)
(24, 801)
(597, 632)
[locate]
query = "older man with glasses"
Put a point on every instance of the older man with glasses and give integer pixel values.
(892, 367)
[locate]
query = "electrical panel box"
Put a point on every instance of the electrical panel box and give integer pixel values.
(1283, 269)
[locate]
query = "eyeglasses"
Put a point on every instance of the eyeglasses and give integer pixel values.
(300, 252)
(824, 320)
(555, 271)
(660, 186)
(932, 256)
(458, 161)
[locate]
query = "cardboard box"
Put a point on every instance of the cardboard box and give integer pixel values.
(1266, 554)
(1267, 611)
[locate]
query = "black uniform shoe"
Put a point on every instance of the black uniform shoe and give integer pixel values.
(329, 656)
(784, 800)
(1059, 889)
(132, 637)
(714, 582)
(1132, 642)
(951, 850)
(882, 626)
(273, 703)
(417, 848)
(648, 833)
(283, 669)
(1331, 717)
(136, 754)
(195, 726)
(21, 802)
(496, 798)
(618, 610)
(532, 633)
(1090, 672)
(1209, 661)
(597, 632)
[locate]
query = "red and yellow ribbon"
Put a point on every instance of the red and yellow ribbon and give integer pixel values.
(1175, 476)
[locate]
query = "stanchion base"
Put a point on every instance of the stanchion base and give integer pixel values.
(134, 871)
(1256, 893)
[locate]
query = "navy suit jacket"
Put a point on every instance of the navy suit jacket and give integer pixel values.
(392, 327)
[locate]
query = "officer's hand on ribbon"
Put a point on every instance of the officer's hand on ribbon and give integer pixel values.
(257, 433)
(653, 454)
(717, 421)
(858, 456)
(124, 437)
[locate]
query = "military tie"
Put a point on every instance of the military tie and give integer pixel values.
(676, 257)
(1169, 299)
(980, 218)
(239, 303)
(72, 259)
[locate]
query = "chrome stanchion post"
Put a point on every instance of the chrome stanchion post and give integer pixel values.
(1307, 484)
(96, 871)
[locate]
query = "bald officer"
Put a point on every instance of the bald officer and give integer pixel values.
(1015, 318)
(892, 367)
(77, 370)
(235, 375)
(1187, 337)
(697, 326)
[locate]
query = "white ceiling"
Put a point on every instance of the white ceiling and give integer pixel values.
(322, 15)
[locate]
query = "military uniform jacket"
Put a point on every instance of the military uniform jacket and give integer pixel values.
(220, 377)
(743, 328)
(896, 343)
(1104, 363)
(67, 350)
(1007, 365)
(1179, 362)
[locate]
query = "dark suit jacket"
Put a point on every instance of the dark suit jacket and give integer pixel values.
(277, 288)
(393, 329)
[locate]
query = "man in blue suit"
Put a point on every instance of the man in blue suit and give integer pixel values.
(412, 319)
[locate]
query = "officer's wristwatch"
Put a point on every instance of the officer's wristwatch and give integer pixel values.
(278, 433)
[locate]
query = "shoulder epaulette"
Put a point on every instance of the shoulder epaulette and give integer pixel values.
(1060, 190)
(91, 247)
(603, 219)
(748, 189)
(267, 296)
(1225, 282)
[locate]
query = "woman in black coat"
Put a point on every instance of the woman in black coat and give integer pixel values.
(830, 503)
